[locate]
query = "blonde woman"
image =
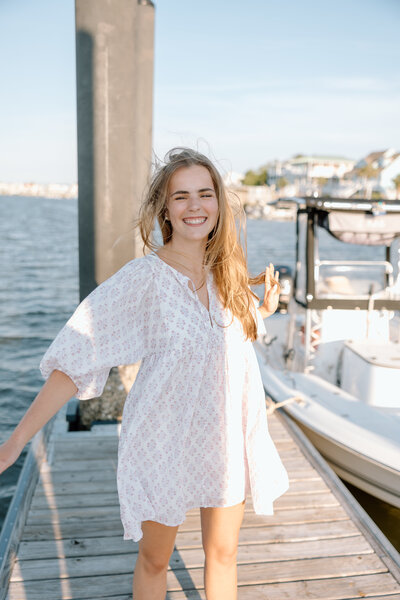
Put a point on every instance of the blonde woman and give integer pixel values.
(194, 428)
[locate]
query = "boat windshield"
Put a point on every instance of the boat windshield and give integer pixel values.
(359, 279)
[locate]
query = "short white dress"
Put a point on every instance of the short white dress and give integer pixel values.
(194, 427)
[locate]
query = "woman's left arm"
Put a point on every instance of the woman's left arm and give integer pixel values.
(264, 312)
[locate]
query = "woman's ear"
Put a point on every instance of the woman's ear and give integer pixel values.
(166, 214)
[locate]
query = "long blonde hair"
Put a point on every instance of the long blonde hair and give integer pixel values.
(224, 255)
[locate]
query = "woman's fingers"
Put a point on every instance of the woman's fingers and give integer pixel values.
(267, 279)
(270, 276)
(272, 273)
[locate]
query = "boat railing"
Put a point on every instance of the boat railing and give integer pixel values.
(383, 263)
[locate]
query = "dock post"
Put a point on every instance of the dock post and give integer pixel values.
(114, 65)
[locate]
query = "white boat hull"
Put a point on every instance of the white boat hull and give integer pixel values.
(361, 443)
(357, 469)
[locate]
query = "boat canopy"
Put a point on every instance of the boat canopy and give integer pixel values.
(346, 284)
(359, 222)
(364, 229)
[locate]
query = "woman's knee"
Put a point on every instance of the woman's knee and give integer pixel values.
(224, 553)
(152, 562)
(220, 532)
(156, 546)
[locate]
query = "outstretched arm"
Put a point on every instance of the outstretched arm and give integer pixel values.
(56, 391)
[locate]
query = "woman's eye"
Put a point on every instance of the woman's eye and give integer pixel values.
(184, 198)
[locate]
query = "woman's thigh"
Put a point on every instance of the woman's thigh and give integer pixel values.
(157, 543)
(220, 528)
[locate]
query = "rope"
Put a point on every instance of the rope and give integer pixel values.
(272, 406)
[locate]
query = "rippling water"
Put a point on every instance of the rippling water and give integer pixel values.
(39, 292)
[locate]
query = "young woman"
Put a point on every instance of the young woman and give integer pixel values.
(194, 427)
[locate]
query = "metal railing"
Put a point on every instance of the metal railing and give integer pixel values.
(18, 509)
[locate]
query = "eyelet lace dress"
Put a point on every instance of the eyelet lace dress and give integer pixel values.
(194, 427)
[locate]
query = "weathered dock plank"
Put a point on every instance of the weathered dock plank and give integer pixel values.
(305, 485)
(119, 560)
(291, 591)
(70, 507)
(86, 546)
(179, 579)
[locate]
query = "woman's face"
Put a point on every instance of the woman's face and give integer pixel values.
(192, 205)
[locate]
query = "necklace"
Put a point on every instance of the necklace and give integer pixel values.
(191, 275)
(199, 286)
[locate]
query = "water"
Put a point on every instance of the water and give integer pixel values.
(39, 292)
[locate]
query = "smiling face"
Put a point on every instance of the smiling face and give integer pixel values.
(192, 205)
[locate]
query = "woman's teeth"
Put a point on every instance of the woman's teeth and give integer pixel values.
(195, 221)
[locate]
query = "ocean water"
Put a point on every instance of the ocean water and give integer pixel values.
(39, 292)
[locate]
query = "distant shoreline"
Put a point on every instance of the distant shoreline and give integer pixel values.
(40, 190)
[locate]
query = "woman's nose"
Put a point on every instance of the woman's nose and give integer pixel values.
(194, 201)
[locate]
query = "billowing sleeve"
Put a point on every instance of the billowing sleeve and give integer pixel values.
(110, 327)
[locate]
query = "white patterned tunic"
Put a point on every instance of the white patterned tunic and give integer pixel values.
(194, 426)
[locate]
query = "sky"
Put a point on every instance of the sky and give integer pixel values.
(244, 82)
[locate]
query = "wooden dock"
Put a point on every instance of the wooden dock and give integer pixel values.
(319, 544)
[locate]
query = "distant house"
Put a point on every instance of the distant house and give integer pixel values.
(320, 167)
(386, 164)
(305, 172)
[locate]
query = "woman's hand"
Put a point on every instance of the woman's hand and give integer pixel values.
(9, 452)
(271, 292)
(55, 392)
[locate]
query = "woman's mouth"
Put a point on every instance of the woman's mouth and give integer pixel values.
(194, 221)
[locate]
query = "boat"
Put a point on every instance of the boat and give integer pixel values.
(331, 358)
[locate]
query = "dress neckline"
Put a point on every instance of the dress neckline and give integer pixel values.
(187, 279)
(176, 270)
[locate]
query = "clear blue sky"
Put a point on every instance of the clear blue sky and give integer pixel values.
(246, 82)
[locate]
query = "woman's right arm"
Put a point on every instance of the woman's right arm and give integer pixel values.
(56, 391)
(108, 328)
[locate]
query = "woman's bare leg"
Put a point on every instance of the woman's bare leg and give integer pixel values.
(220, 534)
(155, 549)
